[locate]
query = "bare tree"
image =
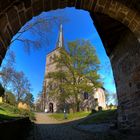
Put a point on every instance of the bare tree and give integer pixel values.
(14, 80)
(111, 98)
(8, 70)
(21, 85)
(40, 27)
(39, 102)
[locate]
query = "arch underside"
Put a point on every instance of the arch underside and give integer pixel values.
(14, 14)
(118, 24)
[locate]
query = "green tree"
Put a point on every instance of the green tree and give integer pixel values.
(10, 98)
(77, 68)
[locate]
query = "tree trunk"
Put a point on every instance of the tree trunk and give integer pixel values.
(74, 108)
(77, 106)
(77, 103)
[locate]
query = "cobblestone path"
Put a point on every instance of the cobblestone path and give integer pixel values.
(47, 128)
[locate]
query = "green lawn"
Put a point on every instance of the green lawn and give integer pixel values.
(71, 116)
(9, 112)
(102, 116)
(98, 117)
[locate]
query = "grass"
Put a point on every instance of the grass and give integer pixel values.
(103, 116)
(71, 116)
(9, 112)
(99, 117)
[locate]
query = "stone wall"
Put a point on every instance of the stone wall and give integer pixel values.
(125, 61)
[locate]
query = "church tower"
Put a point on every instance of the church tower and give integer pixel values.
(50, 67)
(51, 103)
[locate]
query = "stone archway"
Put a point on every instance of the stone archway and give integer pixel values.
(118, 24)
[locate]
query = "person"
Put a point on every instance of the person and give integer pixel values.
(46, 110)
(65, 115)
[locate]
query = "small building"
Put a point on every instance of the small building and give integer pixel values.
(23, 106)
(100, 96)
(1, 99)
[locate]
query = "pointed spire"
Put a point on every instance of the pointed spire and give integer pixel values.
(60, 42)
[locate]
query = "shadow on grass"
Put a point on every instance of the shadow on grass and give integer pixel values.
(1, 109)
(4, 118)
(107, 116)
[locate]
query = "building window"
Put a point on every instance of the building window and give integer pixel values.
(86, 95)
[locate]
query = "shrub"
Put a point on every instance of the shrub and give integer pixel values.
(10, 98)
(93, 111)
(26, 113)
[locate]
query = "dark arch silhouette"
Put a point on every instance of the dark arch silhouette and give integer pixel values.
(118, 24)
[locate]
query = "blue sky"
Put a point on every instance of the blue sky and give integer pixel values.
(78, 26)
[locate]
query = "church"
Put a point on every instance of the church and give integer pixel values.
(51, 104)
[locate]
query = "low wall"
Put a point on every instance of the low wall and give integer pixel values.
(15, 130)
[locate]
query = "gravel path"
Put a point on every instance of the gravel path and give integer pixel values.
(47, 128)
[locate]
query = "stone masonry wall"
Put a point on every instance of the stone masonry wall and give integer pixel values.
(125, 61)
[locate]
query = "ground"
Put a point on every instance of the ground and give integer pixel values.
(48, 128)
(92, 127)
